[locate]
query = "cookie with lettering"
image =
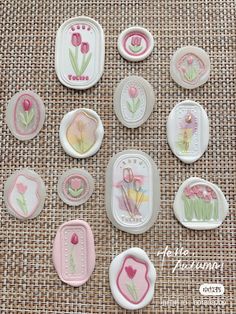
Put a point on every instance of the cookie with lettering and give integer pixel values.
(132, 191)
(24, 194)
(135, 43)
(133, 101)
(74, 252)
(81, 133)
(188, 131)
(80, 52)
(25, 115)
(132, 279)
(75, 186)
(200, 204)
(190, 67)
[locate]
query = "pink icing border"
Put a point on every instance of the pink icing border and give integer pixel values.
(64, 187)
(135, 33)
(11, 189)
(117, 279)
(38, 113)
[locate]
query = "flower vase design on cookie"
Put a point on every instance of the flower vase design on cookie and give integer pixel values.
(80, 52)
(191, 68)
(132, 191)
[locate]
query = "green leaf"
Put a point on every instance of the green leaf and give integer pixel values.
(137, 104)
(31, 115)
(135, 49)
(130, 291)
(85, 63)
(75, 193)
(216, 212)
(22, 117)
(130, 107)
(73, 62)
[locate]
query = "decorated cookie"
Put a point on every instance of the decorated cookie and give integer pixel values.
(135, 43)
(75, 186)
(132, 191)
(81, 133)
(132, 279)
(25, 115)
(74, 252)
(133, 101)
(24, 194)
(80, 51)
(188, 131)
(200, 204)
(190, 67)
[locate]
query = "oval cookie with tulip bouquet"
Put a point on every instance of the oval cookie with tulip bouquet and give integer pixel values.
(75, 186)
(80, 51)
(25, 115)
(24, 194)
(81, 133)
(74, 252)
(132, 279)
(133, 101)
(132, 191)
(200, 204)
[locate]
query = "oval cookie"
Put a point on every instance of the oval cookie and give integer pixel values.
(75, 186)
(188, 131)
(190, 67)
(133, 101)
(25, 115)
(135, 43)
(200, 204)
(80, 51)
(24, 194)
(132, 191)
(132, 279)
(74, 252)
(81, 133)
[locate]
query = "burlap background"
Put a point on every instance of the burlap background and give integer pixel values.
(28, 281)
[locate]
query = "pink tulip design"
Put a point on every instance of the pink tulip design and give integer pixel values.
(27, 116)
(135, 102)
(130, 285)
(136, 46)
(75, 187)
(72, 260)
(21, 201)
(84, 47)
(76, 39)
(79, 67)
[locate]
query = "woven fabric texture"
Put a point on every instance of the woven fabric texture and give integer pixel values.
(28, 280)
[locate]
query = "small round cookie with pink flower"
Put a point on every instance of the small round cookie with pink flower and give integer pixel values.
(75, 186)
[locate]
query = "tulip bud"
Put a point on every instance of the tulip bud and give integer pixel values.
(128, 175)
(84, 47)
(74, 239)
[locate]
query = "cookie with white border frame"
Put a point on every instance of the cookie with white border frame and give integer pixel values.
(200, 204)
(24, 194)
(132, 279)
(190, 67)
(133, 101)
(25, 115)
(75, 186)
(81, 133)
(135, 43)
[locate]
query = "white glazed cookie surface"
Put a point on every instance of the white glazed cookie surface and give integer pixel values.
(190, 67)
(81, 133)
(188, 131)
(132, 279)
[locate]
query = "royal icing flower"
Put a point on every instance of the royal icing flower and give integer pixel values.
(76, 39)
(130, 271)
(75, 183)
(21, 188)
(74, 239)
(84, 47)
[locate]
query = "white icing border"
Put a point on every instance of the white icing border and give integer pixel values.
(127, 56)
(178, 204)
(174, 72)
(65, 123)
(171, 132)
(115, 267)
